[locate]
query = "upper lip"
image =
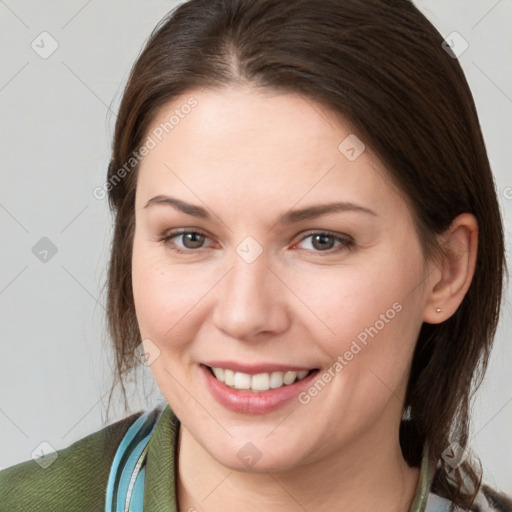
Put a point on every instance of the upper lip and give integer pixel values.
(253, 369)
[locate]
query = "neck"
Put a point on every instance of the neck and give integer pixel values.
(367, 475)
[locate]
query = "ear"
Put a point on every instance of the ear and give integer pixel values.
(454, 273)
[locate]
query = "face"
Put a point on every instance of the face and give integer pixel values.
(239, 269)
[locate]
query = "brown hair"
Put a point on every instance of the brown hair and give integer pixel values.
(380, 65)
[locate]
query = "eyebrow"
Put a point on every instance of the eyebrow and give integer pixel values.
(289, 217)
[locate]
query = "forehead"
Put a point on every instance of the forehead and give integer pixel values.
(257, 149)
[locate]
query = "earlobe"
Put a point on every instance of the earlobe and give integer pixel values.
(459, 246)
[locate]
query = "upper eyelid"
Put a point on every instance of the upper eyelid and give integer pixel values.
(311, 232)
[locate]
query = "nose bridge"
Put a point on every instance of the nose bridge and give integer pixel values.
(249, 300)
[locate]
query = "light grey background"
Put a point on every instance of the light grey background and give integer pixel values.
(57, 118)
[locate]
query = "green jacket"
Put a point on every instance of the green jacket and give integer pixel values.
(77, 479)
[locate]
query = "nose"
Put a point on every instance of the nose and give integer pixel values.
(251, 301)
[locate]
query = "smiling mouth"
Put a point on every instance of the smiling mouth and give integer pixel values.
(259, 382)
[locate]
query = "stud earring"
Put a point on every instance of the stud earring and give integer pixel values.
(438, 310)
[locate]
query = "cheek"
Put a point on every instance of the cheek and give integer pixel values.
(151, 290)
(368, 318)
(357, 300)
(167, 299)
(162, 299)
(371, 318)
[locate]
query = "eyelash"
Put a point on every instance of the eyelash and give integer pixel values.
(346, 242)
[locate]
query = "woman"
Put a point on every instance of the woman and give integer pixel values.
(308, 254)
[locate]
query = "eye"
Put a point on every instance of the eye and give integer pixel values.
(191, 239)
(324, 241)
(321, 241)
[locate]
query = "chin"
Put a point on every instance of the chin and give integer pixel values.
(249, 459)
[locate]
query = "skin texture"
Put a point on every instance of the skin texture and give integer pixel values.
(249, 156)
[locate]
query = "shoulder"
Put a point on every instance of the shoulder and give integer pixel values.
(486, 500)
(489, 499)
(75, 480)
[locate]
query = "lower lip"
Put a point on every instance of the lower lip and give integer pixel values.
(254, 402)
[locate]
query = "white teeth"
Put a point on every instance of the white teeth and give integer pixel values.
(242, 381)
(260, 381)
(229, 377)
(289, 377)
(219, 373)
(276, 379)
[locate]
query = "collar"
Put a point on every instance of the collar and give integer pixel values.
(161, 465)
